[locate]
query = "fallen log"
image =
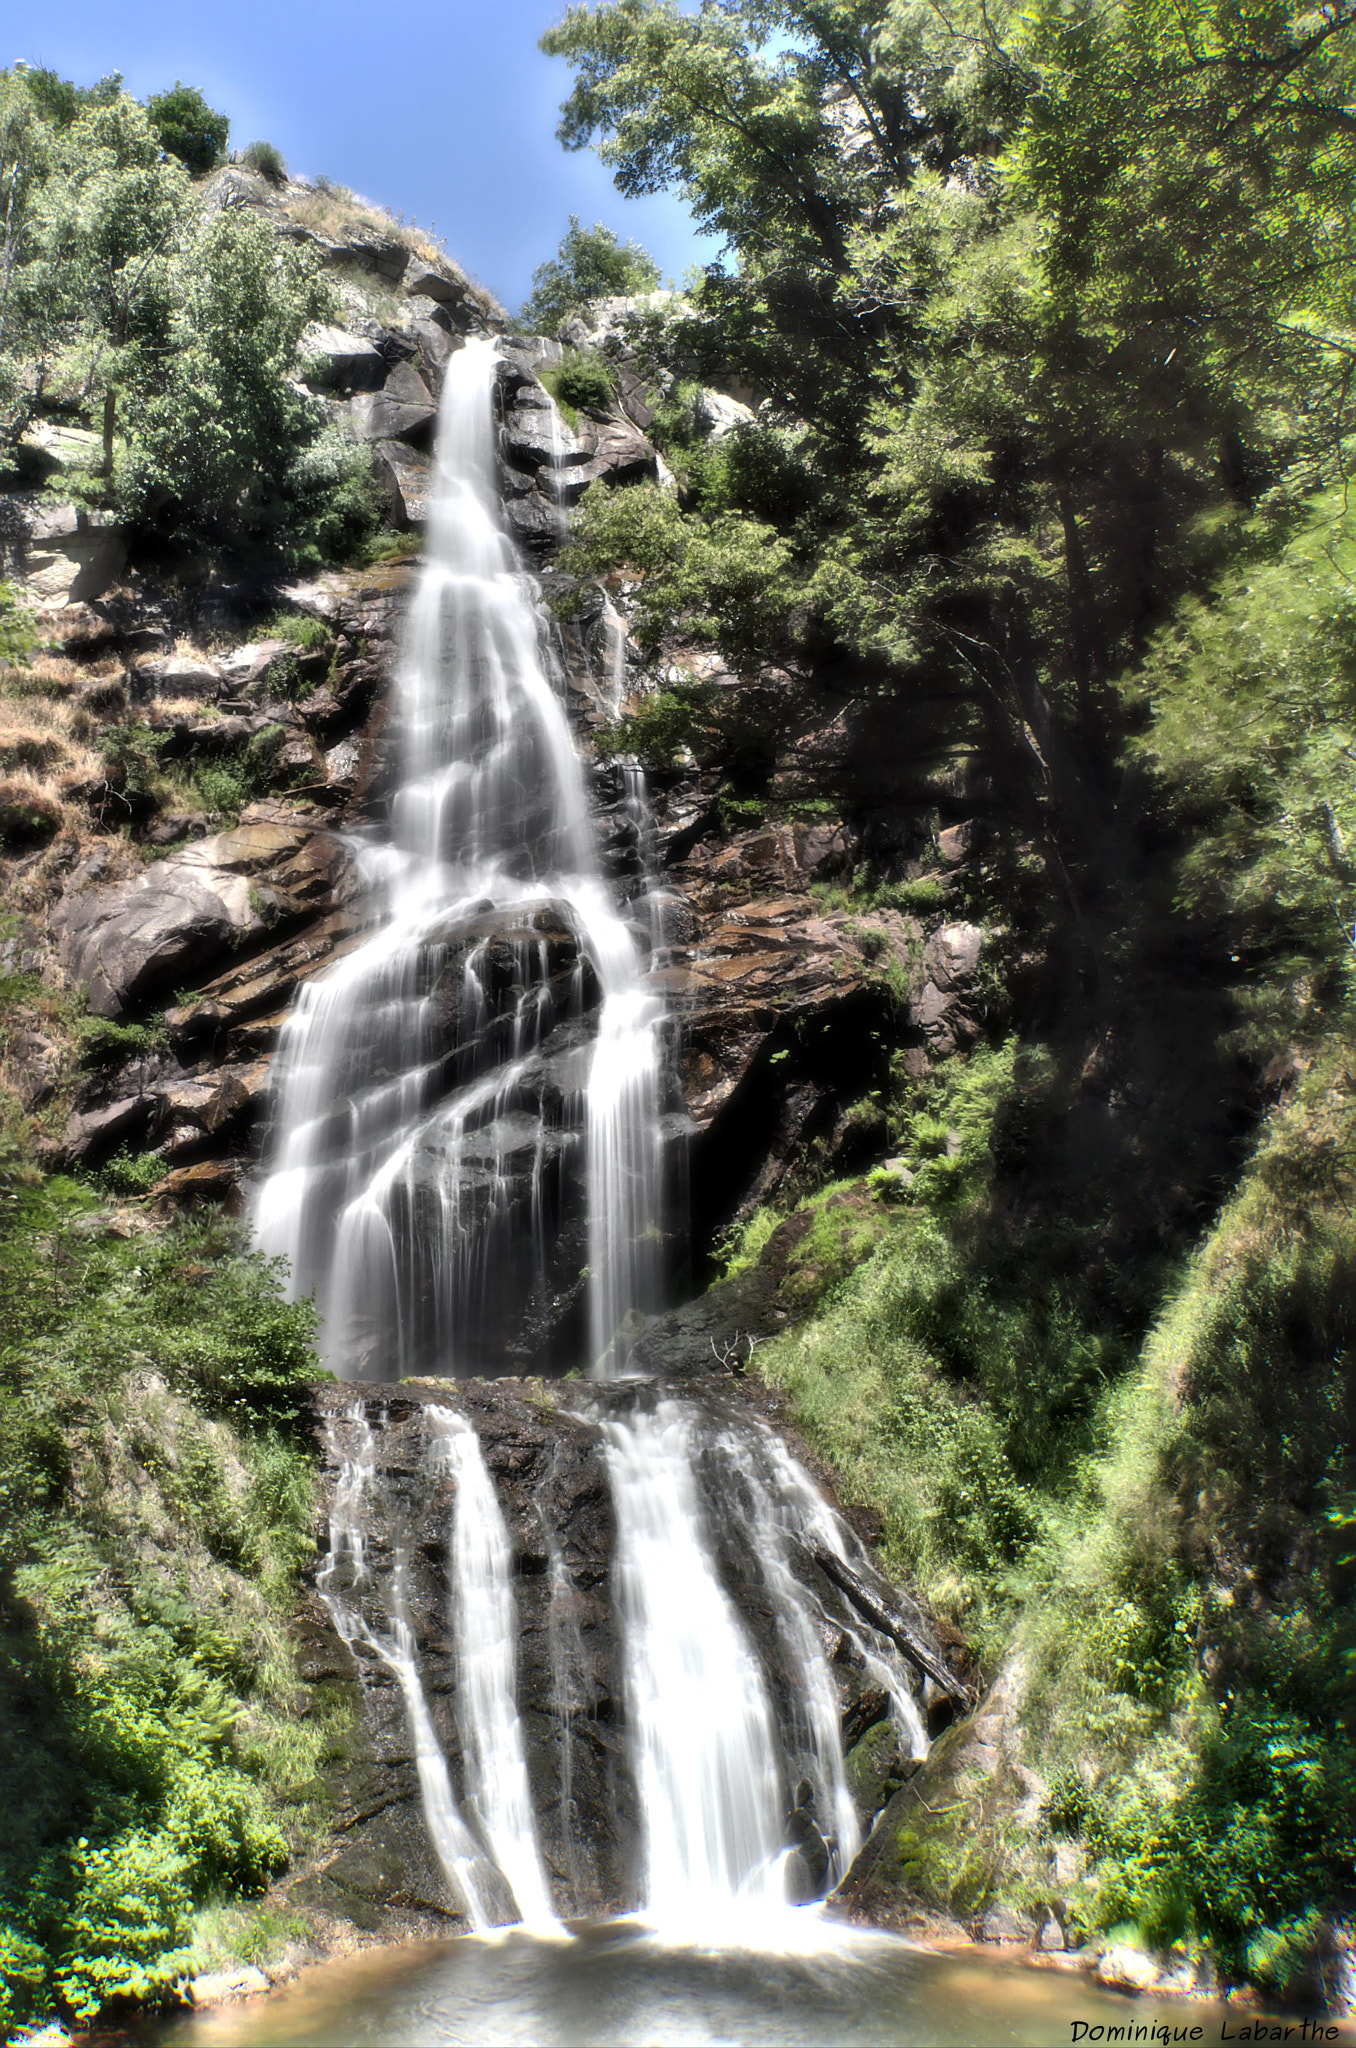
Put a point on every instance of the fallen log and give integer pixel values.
(892, 1625)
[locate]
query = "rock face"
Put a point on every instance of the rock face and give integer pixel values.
(61, 554)
(124, 946)
(933, 1848)
(545, 1451)
(545, 466)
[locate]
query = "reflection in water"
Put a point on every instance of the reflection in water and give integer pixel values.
(615, 1985)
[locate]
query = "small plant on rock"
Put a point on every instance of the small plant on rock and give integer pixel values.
(267, 159)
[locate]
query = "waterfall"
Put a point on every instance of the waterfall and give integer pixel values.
(465, 1169)
(484, 1623)
(465, 1109)
(343, 1580)
(704, 1743)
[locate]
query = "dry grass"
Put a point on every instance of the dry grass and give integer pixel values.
(329, 209)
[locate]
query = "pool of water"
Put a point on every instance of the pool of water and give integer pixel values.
(619, 1986)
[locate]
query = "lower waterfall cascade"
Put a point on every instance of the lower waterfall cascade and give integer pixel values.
(467, 1170)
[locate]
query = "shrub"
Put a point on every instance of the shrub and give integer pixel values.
(18, 634)
(581, 382)
(126, 1929)
(29, 815)
(300, 629)
(267, 160)
(186, 127)
(131, 1173)
(23, 1973)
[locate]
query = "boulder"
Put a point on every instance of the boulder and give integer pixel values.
(90, 1137)
(234, 185)
(407, 479)
(615, 452)
(1122, 1967)
(226, 1987)
(1006, 1924)
(61, 554)
(128, 944)
(176, 675)
(717, 415)
(246, 667)
(340, 361)
(377, 416)
(939, 1845)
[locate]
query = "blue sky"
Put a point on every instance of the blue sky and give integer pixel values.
(444, 112)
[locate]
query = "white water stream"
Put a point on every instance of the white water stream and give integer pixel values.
(429, 1089)
(483, 1619)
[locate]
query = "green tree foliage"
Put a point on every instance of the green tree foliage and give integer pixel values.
(1257, 775)
(224, 448)
(187, 128)
(180, 329)
(591, 263)
(1037, 305)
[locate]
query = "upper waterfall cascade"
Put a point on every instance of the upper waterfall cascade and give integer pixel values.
(467, 1134)
(466, 1108)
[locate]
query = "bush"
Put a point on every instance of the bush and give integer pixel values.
(581, 383)
(131, 1173)
(18, 634)
(23, 1974)
(29, 814)
(187, 128)
(267, 160)
(126, 1931)
(303, 632)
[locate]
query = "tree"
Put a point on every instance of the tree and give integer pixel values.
(121, 218)
(590, 264)
(1029, 303)
(188, 128)
(225, 450)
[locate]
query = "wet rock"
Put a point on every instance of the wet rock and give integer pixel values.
(936, 1846)
(545, 1448)
(876, 1767)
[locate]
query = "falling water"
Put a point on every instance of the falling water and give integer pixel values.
(466, 1113)
(344, 1580)
(480, 1079)
(704, 1746)
(484, 1623)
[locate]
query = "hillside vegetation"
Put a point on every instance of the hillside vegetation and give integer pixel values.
(1037, 330)
(1044, 318)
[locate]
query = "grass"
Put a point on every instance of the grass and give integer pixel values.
(156, 1504)
(1151, 1537)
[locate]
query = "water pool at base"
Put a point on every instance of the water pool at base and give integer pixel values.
(616, 1986)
